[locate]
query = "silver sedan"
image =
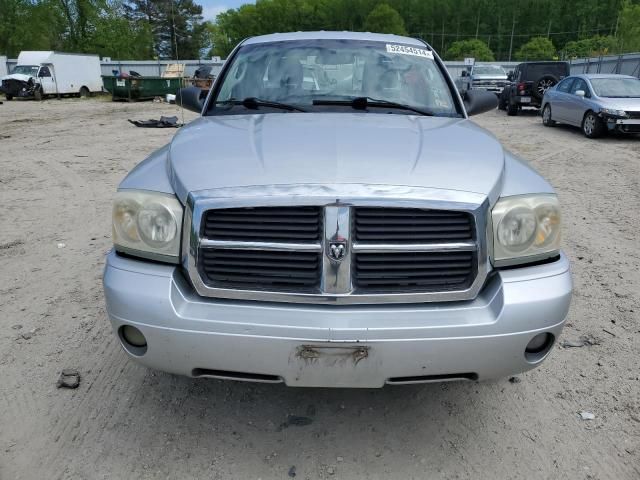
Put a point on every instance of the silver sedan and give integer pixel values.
(597, 103)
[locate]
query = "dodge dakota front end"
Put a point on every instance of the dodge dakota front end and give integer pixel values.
(333, 219)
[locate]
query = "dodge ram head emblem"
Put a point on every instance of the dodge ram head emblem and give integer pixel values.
(337, 250)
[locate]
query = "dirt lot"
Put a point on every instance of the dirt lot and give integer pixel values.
(60, 162)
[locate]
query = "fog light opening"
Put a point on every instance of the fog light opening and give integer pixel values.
(538, 347)
(133, 340)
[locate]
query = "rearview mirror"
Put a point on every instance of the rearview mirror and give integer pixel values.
(191, 98)
(479, 101)
(581, 93)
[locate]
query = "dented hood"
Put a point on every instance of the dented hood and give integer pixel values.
(16, 76)
(334, 148)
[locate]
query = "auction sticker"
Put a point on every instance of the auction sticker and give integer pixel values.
(404, 50)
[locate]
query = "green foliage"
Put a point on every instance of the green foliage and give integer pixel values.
(591, 47)
(629, 30)
(470, 48)
(538, 48)
(384, 19)
(145, 29)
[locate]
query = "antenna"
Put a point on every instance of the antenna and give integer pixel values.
(175, 44)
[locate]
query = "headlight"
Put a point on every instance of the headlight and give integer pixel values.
(147, 224)
(525, 228)
(613, 112)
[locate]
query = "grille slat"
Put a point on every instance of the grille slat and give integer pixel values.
(260, 270)
(265, 224)
(411, 225)
(427, 271)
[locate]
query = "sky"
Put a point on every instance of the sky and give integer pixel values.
(210, 8)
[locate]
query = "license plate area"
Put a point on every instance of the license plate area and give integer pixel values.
(332, 354)
(525, 99)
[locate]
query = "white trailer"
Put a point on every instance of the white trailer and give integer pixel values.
(39, 74)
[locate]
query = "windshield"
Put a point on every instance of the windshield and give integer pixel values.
(489, 70)
(616, 87)
(31, 70)
(303, 71)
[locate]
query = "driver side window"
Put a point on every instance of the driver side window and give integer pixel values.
(580, 84)
(44, 72)
(565, 85)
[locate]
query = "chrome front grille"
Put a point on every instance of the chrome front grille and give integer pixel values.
(346, 251)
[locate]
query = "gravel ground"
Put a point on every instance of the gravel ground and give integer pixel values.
(60, 162)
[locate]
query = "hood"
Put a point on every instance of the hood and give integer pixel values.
(16, 76)
(334, 148)
(632, 104)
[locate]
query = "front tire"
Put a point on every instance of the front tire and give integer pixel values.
(592, 125)
(8, 97)
(37, 94)
(547, 121)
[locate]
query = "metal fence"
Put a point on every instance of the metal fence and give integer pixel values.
(627, 64)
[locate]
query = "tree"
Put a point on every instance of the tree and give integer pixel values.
(629, 31)
(591, 47)
(384, 19)
(470, 48)
(538, 48)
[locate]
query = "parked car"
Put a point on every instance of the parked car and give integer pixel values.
(492, 78)
(39, 74)
(350, 233)
(528, 83)
(597, 103)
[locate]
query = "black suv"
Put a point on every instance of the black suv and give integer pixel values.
(528, 83)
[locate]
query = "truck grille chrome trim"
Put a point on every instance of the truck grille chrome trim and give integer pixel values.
(340, 269)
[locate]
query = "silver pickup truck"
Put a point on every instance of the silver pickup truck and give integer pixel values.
(334, 219)
(491, 78)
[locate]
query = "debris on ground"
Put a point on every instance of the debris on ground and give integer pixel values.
(62, 245)
(164, 122)
(515, 380)
(587, 415)
(69, 378)
(296, 421)
(583, 341)
(292, 471)
(331, 470)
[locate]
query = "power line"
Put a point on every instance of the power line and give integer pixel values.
(544, 34)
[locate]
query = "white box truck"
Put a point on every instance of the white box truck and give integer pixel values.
(39, 74)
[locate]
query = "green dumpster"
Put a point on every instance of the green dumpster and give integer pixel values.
(140, 88)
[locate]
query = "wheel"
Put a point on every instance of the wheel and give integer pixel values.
(547, 121)
(84, 92)
(502, 104)
(8, 97)
(592, 125)
(543, 84)
(512, 109)
(37, 94)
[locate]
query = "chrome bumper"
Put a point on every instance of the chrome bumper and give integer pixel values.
(336, 346)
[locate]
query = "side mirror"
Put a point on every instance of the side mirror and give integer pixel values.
(464, 73)
(510, 76)
(190, 98)
(479, 101)
(581, 93)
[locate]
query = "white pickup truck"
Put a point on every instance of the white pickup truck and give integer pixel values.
(39, 74)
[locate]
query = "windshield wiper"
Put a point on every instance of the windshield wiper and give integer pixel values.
(362, 103)
(254, 103)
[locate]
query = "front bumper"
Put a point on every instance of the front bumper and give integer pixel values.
(624, 125)
(336, 346)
